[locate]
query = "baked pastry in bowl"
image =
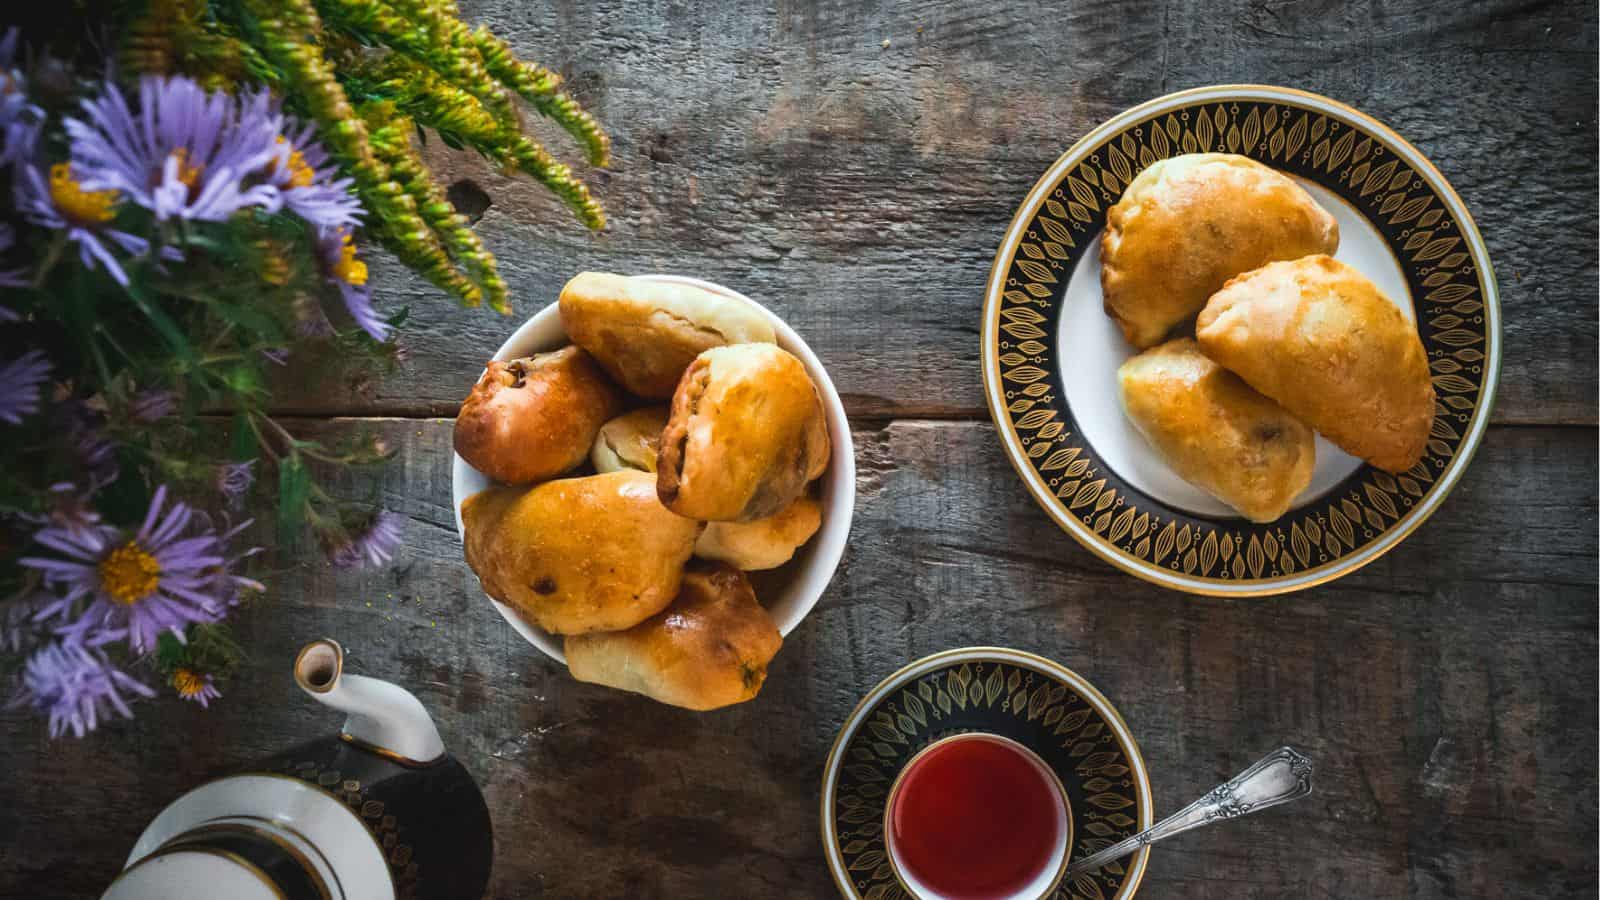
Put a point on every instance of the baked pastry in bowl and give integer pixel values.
(709, 649)
(630, 441)
(789, 593)
(745, 436)
(1215, 431)
(645, 331)
(598, 553)
(534, 418)
(1318, 337)
(761, 543)
(1187, 224)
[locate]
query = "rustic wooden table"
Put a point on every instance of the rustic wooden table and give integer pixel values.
(853, 165)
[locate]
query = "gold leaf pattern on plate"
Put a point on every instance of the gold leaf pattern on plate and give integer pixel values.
(1341, 154)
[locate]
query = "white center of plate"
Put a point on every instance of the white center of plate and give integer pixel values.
(1091, 349)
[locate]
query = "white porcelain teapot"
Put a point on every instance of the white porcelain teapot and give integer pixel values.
(377, 812)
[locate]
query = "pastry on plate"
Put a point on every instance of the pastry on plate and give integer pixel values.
(646, 332)
(709, 649)
(745, 435)
(575, 555)
(761, 543)
(1318, 337)
(534, 418)
(1186, 225)
(1215, 431)
(630, 441)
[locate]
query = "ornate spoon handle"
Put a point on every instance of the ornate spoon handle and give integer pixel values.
(1279, 777)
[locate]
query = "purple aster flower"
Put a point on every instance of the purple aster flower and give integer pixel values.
(195, 687)
(64, 204)
(234, 481)
(337, 251)
(164, 577)
(152, 405)
(187, 153)
(74, 685)
(19, 385)
(375, 544)
(309, 182)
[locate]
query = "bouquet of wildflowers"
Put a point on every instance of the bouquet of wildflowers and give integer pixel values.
(179, 217)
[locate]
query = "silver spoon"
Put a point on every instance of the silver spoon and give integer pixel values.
(1278, 777)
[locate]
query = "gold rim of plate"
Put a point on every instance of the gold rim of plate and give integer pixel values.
(1372, 511)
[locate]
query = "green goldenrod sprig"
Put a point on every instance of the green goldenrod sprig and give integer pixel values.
(394, 213)
(391, 137)
(419, 32)
(542, 88)
(448, 109)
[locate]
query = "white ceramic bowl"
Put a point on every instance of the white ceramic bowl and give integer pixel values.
(814, 564)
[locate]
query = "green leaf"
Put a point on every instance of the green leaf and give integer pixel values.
(168, 329)
(294, 488)
(170, 652)
(244, 379)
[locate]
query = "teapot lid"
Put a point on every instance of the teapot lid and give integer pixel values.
(192, 875)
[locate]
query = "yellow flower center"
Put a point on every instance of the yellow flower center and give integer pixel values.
(188, 683)
(349, 269)
(188, 174)
(129, 573)
(81, 206)
(300, 174)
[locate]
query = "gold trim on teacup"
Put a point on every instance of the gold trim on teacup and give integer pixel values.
(1383, 541)
(1027, 753)
(187, 840)
(290, 829)
(236, 859)
(1049, 668)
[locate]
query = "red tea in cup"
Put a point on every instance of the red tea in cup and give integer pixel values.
(978, 817)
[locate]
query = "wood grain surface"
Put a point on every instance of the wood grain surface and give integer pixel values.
(853, 165)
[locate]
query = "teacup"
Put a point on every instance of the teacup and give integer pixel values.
(978, 816)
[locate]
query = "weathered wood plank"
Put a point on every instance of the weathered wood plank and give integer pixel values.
(1446, 692)
(861, 190)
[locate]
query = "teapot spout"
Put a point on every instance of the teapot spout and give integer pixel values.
(382, 717)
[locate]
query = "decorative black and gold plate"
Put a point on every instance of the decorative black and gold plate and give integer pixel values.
(1044, 706)
(1050, 354)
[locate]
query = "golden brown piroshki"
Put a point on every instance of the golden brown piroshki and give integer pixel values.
(630, 441)
(1186, 225)
(646, 332)
(709, 649)
(575, 555)
(1318, 337)
(765, 543)
(1216, 431)
(534, 418)
(745, 435)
